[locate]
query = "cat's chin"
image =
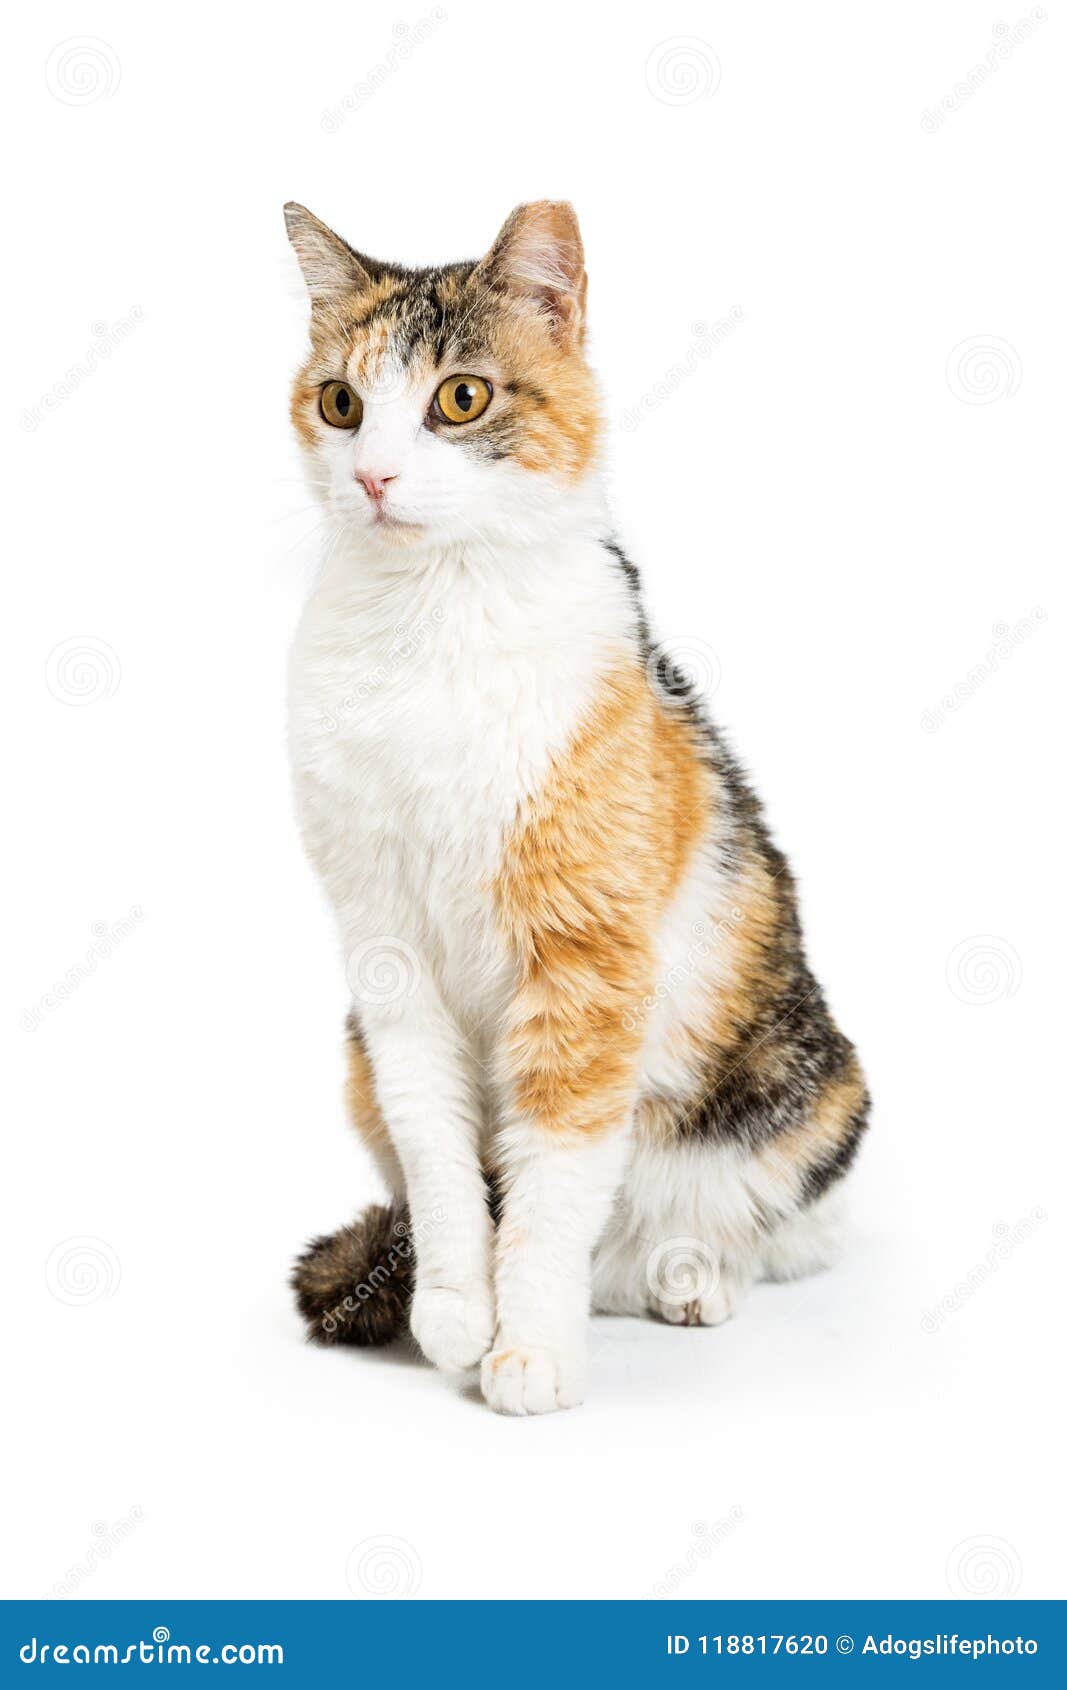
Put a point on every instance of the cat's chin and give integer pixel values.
(395, 531)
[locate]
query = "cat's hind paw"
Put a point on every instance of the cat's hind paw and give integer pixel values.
(532, 1381)
(718, 1301)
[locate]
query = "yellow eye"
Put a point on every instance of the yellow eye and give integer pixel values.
(462, 398)
(340, 406)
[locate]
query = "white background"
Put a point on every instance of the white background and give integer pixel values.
(832, 514)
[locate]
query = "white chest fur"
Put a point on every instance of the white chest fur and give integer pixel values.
(425, 704)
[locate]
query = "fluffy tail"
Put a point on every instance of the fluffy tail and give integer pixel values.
(355, 1286)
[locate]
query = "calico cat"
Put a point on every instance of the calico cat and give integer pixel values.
(585, 1048)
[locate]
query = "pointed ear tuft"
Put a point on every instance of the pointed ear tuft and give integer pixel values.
(329, 264)
(538, 256)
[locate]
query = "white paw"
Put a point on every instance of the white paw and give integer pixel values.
(675, 1314)
(716, 1303)
(724, 1302)
(453, 1328)
(529, 1381)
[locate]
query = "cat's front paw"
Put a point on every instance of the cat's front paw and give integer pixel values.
(453, 1328)
(533, 1381)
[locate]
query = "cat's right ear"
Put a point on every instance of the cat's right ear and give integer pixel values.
(330, 266)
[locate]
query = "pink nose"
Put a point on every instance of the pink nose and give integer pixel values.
(374, 485)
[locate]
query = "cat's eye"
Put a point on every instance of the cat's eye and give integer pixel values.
(462, 398)
(340, 406)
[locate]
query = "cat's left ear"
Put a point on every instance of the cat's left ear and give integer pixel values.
(538, 256)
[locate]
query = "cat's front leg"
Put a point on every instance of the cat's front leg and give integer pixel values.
(427, 1092)
(558, 1191)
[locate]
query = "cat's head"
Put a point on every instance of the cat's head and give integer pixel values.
(447, 404)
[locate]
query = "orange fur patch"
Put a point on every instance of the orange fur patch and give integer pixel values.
(590, 868)
(554, 395)
(361, 1095)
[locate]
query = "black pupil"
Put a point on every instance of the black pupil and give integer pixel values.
(342, 401)
(464, 396)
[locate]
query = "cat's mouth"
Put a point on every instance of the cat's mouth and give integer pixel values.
(389, 520)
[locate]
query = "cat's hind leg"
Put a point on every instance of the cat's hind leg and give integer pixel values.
(808, 1241)
(673, 1268)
